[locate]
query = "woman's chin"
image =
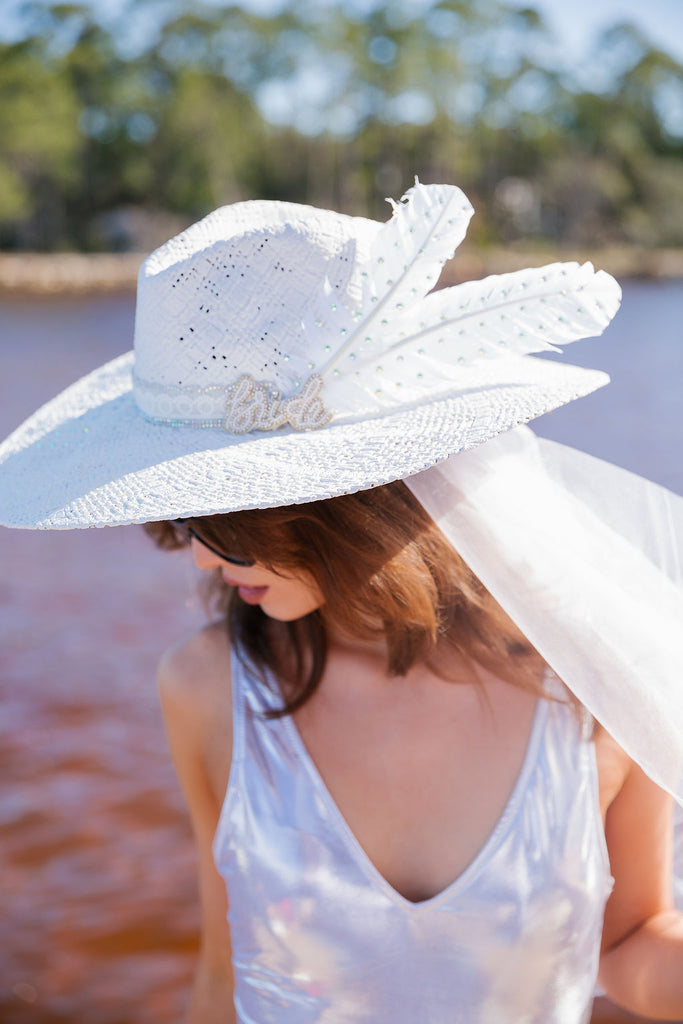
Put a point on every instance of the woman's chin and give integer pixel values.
(286, 612)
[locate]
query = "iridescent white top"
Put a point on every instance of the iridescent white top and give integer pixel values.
(319, 936)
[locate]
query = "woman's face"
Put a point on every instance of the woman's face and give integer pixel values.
(281, 597)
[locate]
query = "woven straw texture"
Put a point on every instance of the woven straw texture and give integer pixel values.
(115, 467)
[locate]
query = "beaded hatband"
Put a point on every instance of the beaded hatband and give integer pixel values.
(245, 406)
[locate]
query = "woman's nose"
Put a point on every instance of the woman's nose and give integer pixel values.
(203, 557)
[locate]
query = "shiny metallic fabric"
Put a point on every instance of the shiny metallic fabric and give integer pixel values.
(319, 936)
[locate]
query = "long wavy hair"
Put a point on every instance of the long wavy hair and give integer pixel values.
(383, 568)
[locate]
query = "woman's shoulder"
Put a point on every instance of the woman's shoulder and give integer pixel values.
(614, 766)
(195, 690)
(194, 675)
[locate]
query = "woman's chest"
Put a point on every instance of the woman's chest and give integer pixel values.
(421, 780)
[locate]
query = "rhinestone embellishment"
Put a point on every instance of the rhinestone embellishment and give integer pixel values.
(251, 405)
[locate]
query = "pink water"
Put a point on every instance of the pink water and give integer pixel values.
(99, 906)
(99, 921)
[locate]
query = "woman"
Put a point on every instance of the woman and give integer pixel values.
(409, 798)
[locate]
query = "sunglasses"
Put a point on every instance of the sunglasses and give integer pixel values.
(188, 532)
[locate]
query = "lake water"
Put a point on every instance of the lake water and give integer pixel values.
(99, 922)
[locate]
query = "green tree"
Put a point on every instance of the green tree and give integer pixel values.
(40, 145)
(336, 104)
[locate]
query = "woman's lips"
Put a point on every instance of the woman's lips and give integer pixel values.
(250, 595)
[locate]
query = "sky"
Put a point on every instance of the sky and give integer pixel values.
(575, 22)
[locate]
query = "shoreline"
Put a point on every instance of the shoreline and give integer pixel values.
(26, 275)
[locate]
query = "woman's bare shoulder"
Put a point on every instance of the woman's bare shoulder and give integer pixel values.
(196, 699)
(194, 674)
(614, 766)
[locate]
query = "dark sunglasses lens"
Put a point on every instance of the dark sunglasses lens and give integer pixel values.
(234, 560)
(187, 532)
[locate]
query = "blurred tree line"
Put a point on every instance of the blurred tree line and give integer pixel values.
(112, 131)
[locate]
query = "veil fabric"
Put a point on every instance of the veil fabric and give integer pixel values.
(586, 558)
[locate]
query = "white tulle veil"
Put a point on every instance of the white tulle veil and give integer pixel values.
(586, 559)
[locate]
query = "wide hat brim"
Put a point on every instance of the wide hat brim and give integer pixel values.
(90, 458)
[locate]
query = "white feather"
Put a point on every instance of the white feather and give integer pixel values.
(446, 338)
(526, 311)
(410, 249)
(404, 264)
(397, 342)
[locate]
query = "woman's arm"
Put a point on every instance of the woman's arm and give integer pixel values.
(642, 961)
(194, 686)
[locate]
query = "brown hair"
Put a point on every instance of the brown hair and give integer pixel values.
(383, 567)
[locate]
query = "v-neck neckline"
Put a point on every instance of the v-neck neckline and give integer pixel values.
(487, 849)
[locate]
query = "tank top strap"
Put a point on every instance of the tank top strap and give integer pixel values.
(255, 692)
(249, 702)
(558, 693)
(252, 698)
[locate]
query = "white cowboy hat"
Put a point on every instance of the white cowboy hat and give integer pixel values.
(285, 354)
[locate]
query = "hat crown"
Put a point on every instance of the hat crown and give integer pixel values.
(229, 296)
